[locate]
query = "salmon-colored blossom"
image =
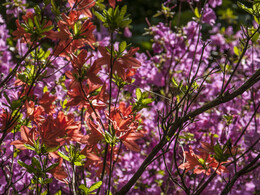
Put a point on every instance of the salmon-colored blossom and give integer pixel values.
(7, 122)
(201, 163)
(59, 173)
(83, 6)
(121, 65)
(28, 137)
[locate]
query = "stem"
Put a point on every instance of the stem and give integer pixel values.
(109, 109)
(74, 180)
(110, 100)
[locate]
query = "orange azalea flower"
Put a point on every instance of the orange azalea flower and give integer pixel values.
(71, 19)
(88, 152)
(125, 126)
(59, 172)
(6, 121)
(79, 96)
(129, 138)
(70, 42)
(95, 135)
(201, 163)
(112, 3)
(20, 32)
(28, 137)
(67, 127)
(122, 118)
(35, 113)
(122, 64)
(55, 132)
(81, 74)
(86, 34)
(83, 6)
(46, 102)
(64, 33)
(49, 135)
(79, 60)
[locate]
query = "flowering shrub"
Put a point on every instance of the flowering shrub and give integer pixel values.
(82, 112)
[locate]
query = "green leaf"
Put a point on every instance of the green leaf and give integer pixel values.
(30, 23)
(95, 186)
(51, 167)
(174, 82)
(255, 37)
(16, 104)
(36, 23)
(100, 16)
(242, 6)
(122, 46)
(236, 51)
(64, 156)
(7, 98)
(29, 147)
(81, 156)
(37, 10)
(36, 162)
(109, 192)
(147, 101)
(84, 188)
(58, 193)
(138, 93)
(257, 20)
(123, 10)
(29, 168)
(66, 148)
(45, 89)
(196, 12)
(53, 5)
(48, 149)
(78, 163)
(108, 137)
(45, 192)
(48, 28)
(48, 180)
(47, 54)
(22, 77)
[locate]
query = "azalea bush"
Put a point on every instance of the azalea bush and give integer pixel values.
(84, 111)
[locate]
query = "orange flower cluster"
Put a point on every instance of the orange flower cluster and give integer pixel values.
(53, 128)
(202, 163)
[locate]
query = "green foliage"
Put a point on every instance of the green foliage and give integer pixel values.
(38, 170)
(113, 19)
(142, 101)
(228, 119)
(73, 155)
(224, 152)
(166, 11)
(91, 189)
(254, 11)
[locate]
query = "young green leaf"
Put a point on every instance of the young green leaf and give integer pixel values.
(64, 156)
(95, 186)
(84, 188)
(52, 167)
(138, 93)
(122, 46)
(29, 147)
